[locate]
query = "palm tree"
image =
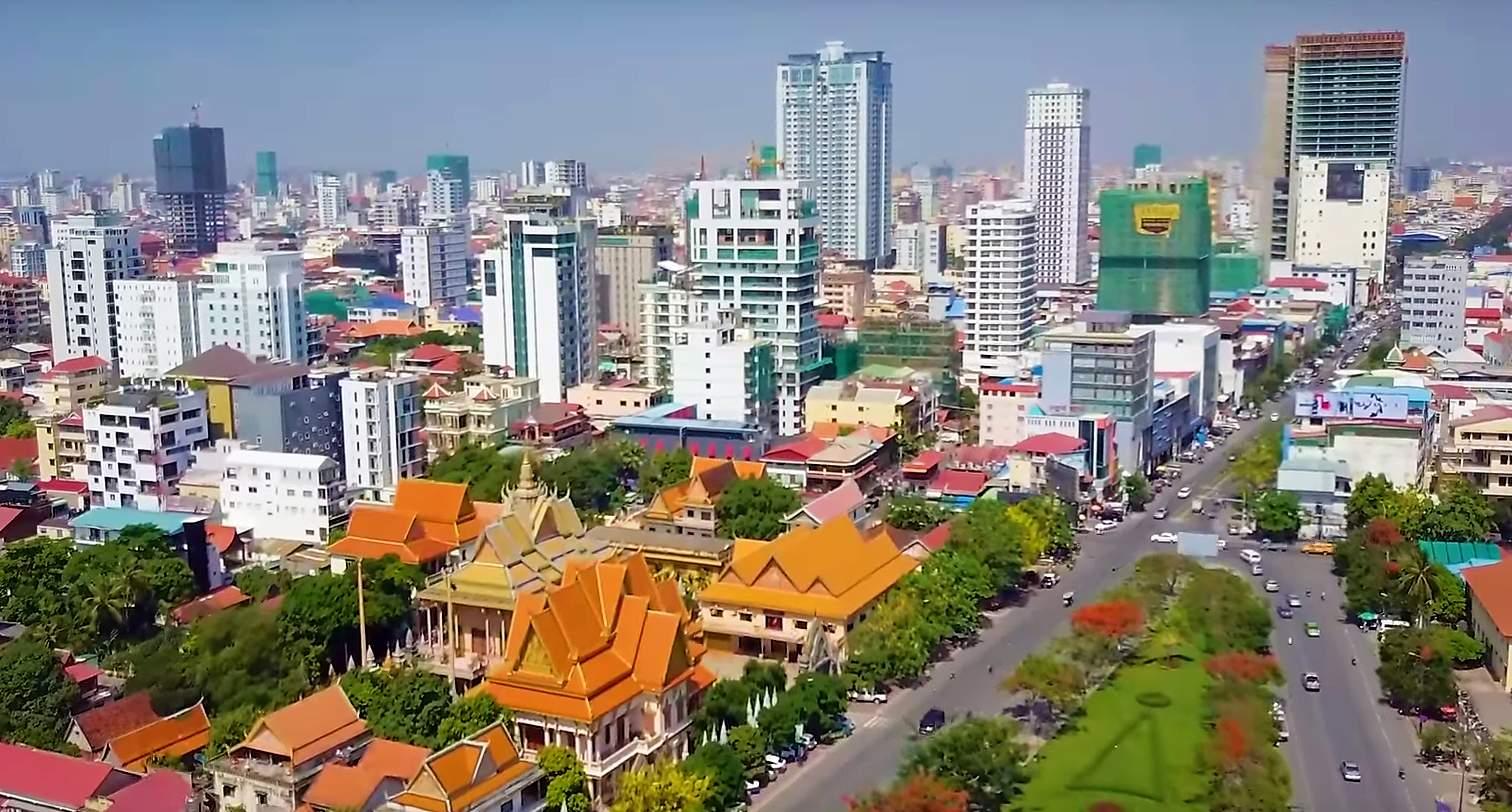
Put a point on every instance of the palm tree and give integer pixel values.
(103, 606)
(1418, 586)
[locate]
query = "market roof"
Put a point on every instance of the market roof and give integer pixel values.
(1458, 554)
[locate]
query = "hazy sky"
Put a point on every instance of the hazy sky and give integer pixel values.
(641, 84)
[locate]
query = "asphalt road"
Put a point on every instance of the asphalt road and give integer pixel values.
(869, 759)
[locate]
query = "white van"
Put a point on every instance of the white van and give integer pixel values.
(1249, 556)
(1196, 505)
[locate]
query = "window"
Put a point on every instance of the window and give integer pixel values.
(746, 616)
(262, 798)
(228, 790)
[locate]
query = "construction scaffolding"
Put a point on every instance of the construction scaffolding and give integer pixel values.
(907, 341)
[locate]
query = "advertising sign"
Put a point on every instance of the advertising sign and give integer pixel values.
(1156, 219)
(1356, 405)
(1322, 404)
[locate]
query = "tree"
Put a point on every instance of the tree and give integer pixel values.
(762, 676)
(1435, 741)
(1244, 666)
(661, 787)
(31, 572)
(467, 716)
(754, 509)
(919, 792)
(1368, 500)
(1054, 518)
(1450, 606)
(750, 747)
(1417, 585)
(594, 476)
(1461, 513)
(260, 583)
(38, 696)
(662, 469)
(1383, 532)
(719, 764)
(914, 513)
(230, 728)
(994, 534)
(1415, 672)
(1278, 514)
(321, 610)
(486, 470)
(1222, 613)
(21, 430)
(566, 783)
(388, 589)
(1494, 760)
(407, 705)
(1057, 682)
(1116, 619)
(1137, 491)
(981, 756)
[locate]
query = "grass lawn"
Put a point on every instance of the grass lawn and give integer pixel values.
(1136, 746)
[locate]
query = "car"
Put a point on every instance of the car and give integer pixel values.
(1272, 586)
(808, 741)
(1310, 682)
(932, 720)
(752, 786)
(1249, 556)
(1275, 418)
(875, 697)
(1105, 526)
(1293, 601)
(1164, 538)
(1184, 493)
(1350, 771)
(1233, 457)
(775, 762)
(1160, 513)
(1285, 612)
(1313, 630)
(1257, 570)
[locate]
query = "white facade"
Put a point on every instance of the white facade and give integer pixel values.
(532, 173)
(666, 303)
(999, 287)
(715, 366)
(567, 172)
(539, 315)
(396, 207)
(756, 245)
(1432, 300)
(1193, 347)
(381, 422)
(921, 247)
(158, 326)
(834, 127)
(137, 445)
(1057, 168)
(292, 497)
(1340, 279)
(28, 260)
(445, 198)
(433, 265)
(330, 202)
(1340, 214)
(251, 298)
(92, 252)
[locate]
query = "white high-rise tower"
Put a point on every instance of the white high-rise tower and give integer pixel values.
(834, 128)
(1057, 168)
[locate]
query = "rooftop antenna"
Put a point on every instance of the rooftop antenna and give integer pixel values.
(194, 114)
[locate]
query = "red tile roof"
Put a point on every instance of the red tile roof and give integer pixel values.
(8, 515)
(81, 673)
(830, 321)
(836, 503)
(161, 790)
(926, 461)
(935, 539)
(1487, 313)
(955, 482)
(1451, 391)
(215, 601)
(1005, 386)
(1050, 443)
(112, 719)
(1491, 587)
(64, 486)
(1298, 283)
(88, 363)
(799, 450)
(50, 778)
(429, 352)
(1483, 414)
(979, 456)
(221, 536)
(12, 449)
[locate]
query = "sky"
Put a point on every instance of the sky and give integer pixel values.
(638, 85)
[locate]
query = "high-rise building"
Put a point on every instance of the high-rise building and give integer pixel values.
(1328, 96)
(921, 247)
(139, 444)
(488, 189)
(1156, 247)
(20, 310)
(532, 173)
(330, 202)
(567, 172)
(381, 422)
(1418, 179)
(190, 165)
(924, 187)
(291, 408)
(834, 128)
(123, 194)
(999, 287)
(1340, 215)
(540, 319)
(724, 372)
(251, 298)
(433, 265)
(266, 182)
(28, 260)
(93, 252)
(626, 258)
(158, 327)
(756, 245)
(396, 207)
(1147, 156)
(666, 303)
(1432, 300)
(448, 184)
(1103, 365)
(1057, 168)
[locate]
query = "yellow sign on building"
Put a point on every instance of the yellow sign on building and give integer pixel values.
(1156, 219)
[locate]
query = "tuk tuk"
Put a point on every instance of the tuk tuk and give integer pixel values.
(1068, 598)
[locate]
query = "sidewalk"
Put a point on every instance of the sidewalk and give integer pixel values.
(1493, 704)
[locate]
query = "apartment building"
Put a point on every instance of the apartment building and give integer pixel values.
(137, 445)
(290, 497)
(381, 421)
(251, 298)
(21, 313)
(158, 326)
(91, 253)
(1432, 300)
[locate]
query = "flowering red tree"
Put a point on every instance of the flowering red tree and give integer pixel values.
(1243, 666)
(1110, 619)
(920, 792)
(1383, 532)
(1232, 743)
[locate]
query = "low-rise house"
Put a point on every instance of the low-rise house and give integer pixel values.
(846, 501)
(385, 768)
(600, 664)
(480, 412)
(1489, 595)
(427, 521)
(605, 401)
(1028, 459)
(40, 781)
(858, 402)
(92, 730)
(481, 773)
(824, 458)
(285, 750)
(296, 497)
(687, 508)
(432, 360)
(175, 737)
(555, 425)
(186, 532)
(212, 602)
(796, 598)
(956, 487)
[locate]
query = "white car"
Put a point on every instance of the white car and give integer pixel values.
(1105, 526)
(1293, 601)
(1183, 493)
(875, 697)
(1164, 538)
(1275, 418)
(1272, 586)
(1257, 570)
(775, 762)
(1310, 682)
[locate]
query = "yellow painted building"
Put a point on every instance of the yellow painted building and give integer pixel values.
(65, 390)
(1479, 448)
(212, 372)
(853, 402)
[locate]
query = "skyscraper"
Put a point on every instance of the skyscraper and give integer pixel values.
(1057, 167)
(999, 283)
(834, 128)
(267, 174)
(448, 184)
(567, 172)
(1328, 96)
(190, 165)
(92, 253)
(330, 201)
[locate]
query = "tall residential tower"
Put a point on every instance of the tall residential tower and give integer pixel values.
(190, 166)
(834, 128)
(1057, 167)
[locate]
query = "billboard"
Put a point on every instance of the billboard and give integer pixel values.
(1345, 182)
(1156, 219)
(1356, 405)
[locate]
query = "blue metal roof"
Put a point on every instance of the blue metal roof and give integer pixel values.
(117, 518)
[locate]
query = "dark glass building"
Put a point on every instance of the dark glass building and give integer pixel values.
(190, 165)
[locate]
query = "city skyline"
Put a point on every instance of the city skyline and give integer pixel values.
(1189, 80)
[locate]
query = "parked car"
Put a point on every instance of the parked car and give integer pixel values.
(775, 762)
(876, 697)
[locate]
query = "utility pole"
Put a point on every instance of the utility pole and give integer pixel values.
(451, 629)
(362, 657)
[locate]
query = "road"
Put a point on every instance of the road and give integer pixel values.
(869, 759)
